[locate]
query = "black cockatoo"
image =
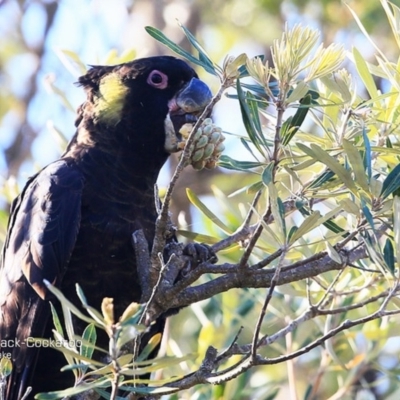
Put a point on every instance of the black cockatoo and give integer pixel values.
(73, 221)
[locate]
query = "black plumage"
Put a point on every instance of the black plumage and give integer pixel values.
(73, 221)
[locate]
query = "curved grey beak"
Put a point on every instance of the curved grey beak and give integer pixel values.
(184, 108)
(194, 96)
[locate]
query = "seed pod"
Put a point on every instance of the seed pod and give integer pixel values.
(208, 151)
(198, 165)
(220, 148)
(201, 142)
(215, 137)
(198, 134)
(210, 164)
(207, 130)
(207, 144)
(198, 155)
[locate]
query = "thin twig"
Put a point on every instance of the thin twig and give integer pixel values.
(274, 281)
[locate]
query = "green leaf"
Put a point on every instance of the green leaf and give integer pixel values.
(391, 183)
(158, 35)
(255, 187)
(96, 315)
(364, 73)
(326, 220)
(333, 254)
(247, 118)
(321, 179)
(388, 255)
(229, 163)
(278, 211)
(292, 231)
(367, 214)
(357, 164)
(208, 65)
(64, 301)
(102, 382)
(374, 251)
(322, 156)
(254, 105)
(5, 368)
(267, 175)
(206, 211)
(367, 154)
(89, 338)
(396, 228)
(393, 15)
(298, 92)
(248, 148)
(56, 320)
(150, 347)
(71, 62)
(292, 124)
(310, 223)
(334, 227)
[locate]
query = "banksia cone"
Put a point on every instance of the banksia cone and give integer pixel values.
(207, 145)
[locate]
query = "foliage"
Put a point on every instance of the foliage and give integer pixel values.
(312, 244)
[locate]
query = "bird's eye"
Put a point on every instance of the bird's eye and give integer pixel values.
(157, 79)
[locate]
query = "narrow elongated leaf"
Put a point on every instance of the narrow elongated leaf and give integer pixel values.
(333, 254)
(255, 187)
(159, 36)
(150, 346)
(391, 183)
(310, 223)
(298, 92)
(72, 62)
(326, 219)
(322, 156)
(367, 214)
(247, 119)
(350, 206)
(292, 125)
(56, 320)
(364, 73)
(208, 65)
(69, 355)
(356, 163)
(5, 368)
(206, 211)
(229, 163)
(248, 148)
(388, 255)
(374, 251)
(334, 227)
(253, 105)
(277, 211)
(89, 337)
(267, 175)
(367, 154)
(96, 315)
(292, 231)
(67, 303)
(321, 179)
(396, 228)
(393, 15)
(102, 382)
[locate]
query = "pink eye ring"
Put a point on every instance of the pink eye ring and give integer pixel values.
(157, 79)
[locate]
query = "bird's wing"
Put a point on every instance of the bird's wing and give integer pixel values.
(42, 231)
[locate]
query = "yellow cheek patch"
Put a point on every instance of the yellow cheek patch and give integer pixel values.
(111, 99)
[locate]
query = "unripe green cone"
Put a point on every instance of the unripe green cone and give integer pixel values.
(207, 145)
